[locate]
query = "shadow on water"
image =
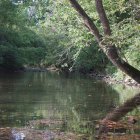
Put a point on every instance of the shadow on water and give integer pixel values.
(49, 101)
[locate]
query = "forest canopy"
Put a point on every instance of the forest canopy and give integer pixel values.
(40, 33)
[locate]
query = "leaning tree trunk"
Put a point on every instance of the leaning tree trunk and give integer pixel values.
(109, 50)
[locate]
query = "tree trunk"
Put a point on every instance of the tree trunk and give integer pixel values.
(113, 56)
(109, 50)
(103, 17)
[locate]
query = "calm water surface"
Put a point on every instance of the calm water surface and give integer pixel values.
(73, 98)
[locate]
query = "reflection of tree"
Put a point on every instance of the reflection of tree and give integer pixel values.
(85, 101)
(74, 99)
(119, 112)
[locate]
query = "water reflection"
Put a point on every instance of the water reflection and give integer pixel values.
(50, 95)
(76, 100)
(109, 122)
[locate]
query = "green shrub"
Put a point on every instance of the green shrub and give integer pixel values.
(90, 59)
(33, 56)
(10, 58)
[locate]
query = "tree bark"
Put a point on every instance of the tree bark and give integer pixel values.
(109, 50)
(103, 17)
(87, 20)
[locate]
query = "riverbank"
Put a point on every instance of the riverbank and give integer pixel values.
(111, 80)
(103, 77)
(106, 78)
(121, 130)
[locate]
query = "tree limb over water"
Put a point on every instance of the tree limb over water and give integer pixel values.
(109, 49)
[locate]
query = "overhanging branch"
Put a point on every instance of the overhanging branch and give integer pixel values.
(103, 17)
(87, 20)
(109, 50)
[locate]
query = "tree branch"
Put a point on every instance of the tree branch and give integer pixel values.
(87, 20)
(109, 50)
(103, 17)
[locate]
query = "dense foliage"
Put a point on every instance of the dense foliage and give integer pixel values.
(19, 43)
(42, 33)
(124, 22)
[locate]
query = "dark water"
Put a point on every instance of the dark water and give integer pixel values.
(72, 98)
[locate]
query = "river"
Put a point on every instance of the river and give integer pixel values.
(74, 100)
